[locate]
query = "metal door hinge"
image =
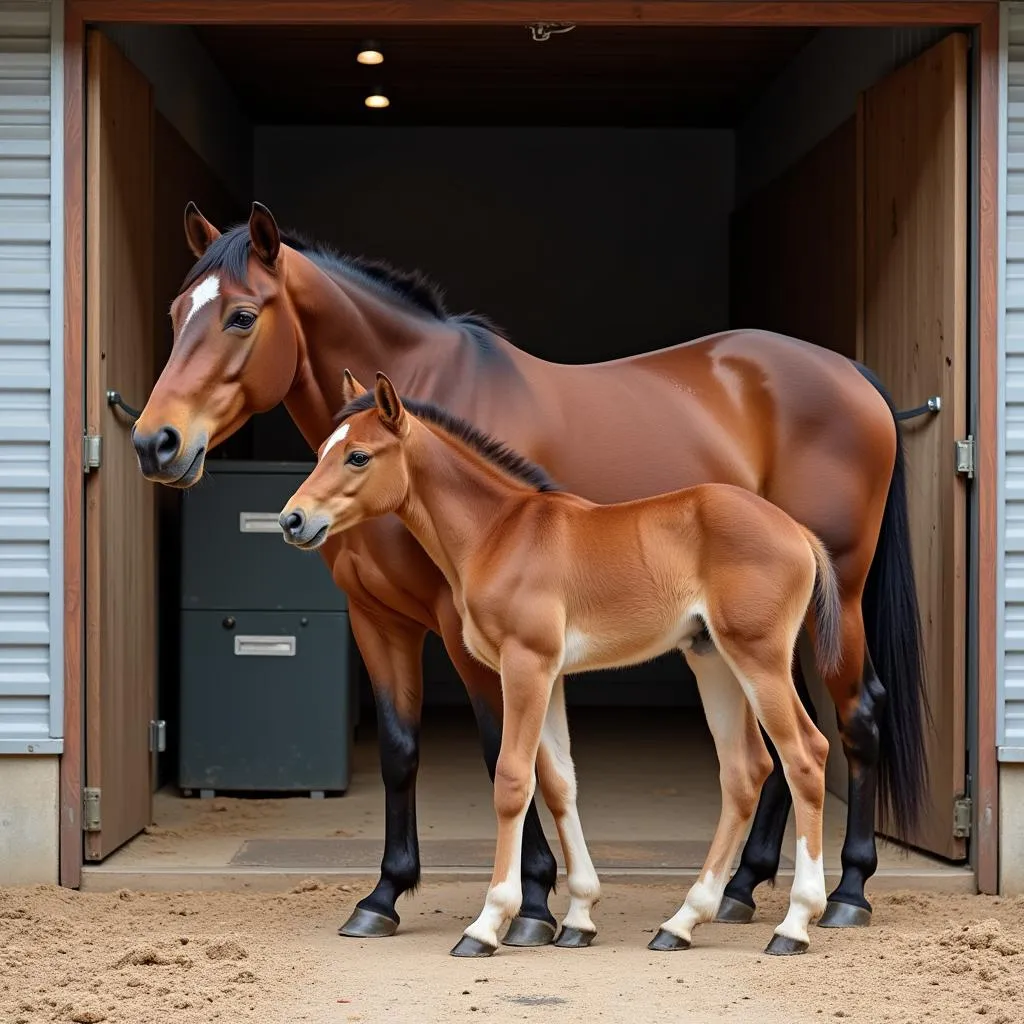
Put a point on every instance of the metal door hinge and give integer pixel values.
(157, 736)
(92, 452)
(965, 457)
(90, 809)
(962, 817)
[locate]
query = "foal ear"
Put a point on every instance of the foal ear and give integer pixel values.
(263, 232)
(351, 389)
(199, 232)
(389, 405)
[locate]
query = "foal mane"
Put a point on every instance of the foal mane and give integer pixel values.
(490, 449)
(413, 290)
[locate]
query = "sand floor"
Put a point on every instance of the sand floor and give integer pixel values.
(234, 956)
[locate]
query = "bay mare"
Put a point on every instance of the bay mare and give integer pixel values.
(548, 584)
(262, 320)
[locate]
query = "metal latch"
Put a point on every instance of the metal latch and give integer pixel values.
(965, 457)
(157, 736)
(962, 817)
(90, 809)
(92, 452)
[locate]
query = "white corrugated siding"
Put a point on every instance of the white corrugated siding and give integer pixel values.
(27, 413)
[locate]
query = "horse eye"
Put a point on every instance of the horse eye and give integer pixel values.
(243, 318)
(358, 459)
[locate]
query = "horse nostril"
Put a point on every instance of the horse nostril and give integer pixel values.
(293, 522)
(166, 445)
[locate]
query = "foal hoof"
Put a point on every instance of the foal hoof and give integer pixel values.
(783, 945)
(734, 912)
(368, 924)
(574, 938)
(844, 915)
(468, 946)
(528, 931)
(666, 942)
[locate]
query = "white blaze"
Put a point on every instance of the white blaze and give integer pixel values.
(338, 435)
(206, 291)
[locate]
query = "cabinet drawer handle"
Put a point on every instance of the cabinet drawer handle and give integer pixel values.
(265, 646)
(259, 522)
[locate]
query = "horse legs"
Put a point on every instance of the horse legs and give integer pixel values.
(744, 764)
(803, 751)
(759, 861)
(535, 924)
(392, 649)
(527, 681)
(860, 700)
(557, 778)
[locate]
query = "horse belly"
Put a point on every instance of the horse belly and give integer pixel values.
(622, 644)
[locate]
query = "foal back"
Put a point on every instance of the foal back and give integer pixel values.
(628, 582)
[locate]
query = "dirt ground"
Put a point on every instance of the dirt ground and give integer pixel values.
(131, 957)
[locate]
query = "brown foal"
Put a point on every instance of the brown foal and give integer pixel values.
(549, 584)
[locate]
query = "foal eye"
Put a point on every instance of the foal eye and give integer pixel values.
(242, 318)
(358, 459)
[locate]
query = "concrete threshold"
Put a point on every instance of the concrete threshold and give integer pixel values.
(101, 878)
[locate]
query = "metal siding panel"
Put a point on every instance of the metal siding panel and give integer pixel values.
(29, 405)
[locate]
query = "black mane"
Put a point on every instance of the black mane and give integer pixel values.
(495, 452)
(229, 254)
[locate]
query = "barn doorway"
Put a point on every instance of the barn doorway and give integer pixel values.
(683, 162)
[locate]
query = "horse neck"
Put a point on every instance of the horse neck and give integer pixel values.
(452, 500)
(345, 326)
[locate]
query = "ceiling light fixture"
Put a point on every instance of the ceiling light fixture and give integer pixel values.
(369, 54)
(377, 100)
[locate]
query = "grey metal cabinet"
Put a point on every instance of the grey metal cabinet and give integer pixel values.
(267, 680)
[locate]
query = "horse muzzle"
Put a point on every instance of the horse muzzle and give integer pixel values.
(163, 458)
(302, 530)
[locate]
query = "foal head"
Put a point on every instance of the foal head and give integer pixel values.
(361, 471)
(236, 346)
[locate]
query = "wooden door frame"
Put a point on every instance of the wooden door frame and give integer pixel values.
(981, 15)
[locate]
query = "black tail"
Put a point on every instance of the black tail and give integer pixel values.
(893, 626)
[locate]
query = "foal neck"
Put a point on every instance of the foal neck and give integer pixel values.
(455, 497)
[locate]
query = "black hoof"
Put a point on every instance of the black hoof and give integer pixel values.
(782, 945)
(734, 911)
(528, 931)
(368, 924)
(844, 915)
(666, 941)
(468, 946)
(574, 938)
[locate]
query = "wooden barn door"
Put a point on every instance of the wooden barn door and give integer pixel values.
(120, 521)
(913, 333)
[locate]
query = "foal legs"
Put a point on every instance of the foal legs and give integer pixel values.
(535, 924)
(527, 680)
(803, 751)
(744, 764)
(557, 778)
(759, 861)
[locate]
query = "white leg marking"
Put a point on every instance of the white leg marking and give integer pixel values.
(701, 904)
(807, 899)
(206, 291)
(583, 883)
(726, 709)
(504, 899)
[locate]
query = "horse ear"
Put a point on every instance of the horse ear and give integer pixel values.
(266, 239)
(389, 405)
(351, 389)
(199, 232)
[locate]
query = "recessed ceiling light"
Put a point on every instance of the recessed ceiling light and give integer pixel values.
(369, 54)
(377, 100)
